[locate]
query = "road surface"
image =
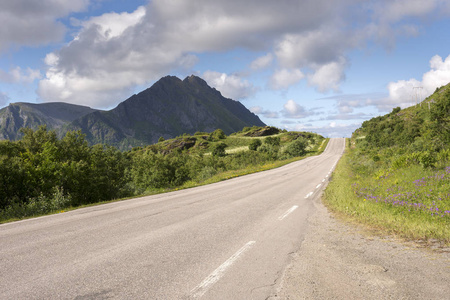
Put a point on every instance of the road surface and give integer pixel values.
(229, 240)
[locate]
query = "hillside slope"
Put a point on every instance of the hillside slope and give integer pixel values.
(425, 126)
(395, 176)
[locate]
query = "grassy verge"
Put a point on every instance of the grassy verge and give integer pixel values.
(410, 202)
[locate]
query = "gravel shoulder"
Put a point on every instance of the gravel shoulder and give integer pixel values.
(338, 260)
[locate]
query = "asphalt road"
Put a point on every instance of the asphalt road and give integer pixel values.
(229, 240)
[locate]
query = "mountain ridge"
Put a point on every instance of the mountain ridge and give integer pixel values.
(53, 114)
(168, 108)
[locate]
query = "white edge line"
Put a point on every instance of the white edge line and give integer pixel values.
(307, 196)
(318, 186)
(290, 210)
(212, 278)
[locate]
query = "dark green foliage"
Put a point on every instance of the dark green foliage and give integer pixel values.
(201, 133)
(297, 147)
(255, 144)
(270, 150)
(219, 149)
(272, 141)
(40, 164)
(440, 118)
(216, 135)
(161, 139)
(41, 173)
(150, 170)
(416, 135)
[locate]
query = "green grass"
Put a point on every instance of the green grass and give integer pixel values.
(410, 202)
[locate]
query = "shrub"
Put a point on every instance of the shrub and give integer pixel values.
(297, 147)
(272, 140)
(255, 144)
(270, 150)
(217, 134)
(219, 149)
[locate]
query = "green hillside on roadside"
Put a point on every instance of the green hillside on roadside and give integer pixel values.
(395, 174)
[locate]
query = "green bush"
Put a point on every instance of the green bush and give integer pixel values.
(296, 147)
(254, 144)
(272, 140)
(216, 135)
(218, 149)
(270, 150)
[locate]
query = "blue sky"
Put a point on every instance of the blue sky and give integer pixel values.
(313, 65)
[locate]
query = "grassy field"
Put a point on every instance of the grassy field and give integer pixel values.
(411, 202)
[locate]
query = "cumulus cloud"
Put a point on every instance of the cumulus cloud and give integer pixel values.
(262, 62)
(114, 24)
(265, 113)
(293, 110)
(284, 78)
(328, 76)
(34, 23)
(114, 52)
(17, 75)
(231, 86)
(404, 93)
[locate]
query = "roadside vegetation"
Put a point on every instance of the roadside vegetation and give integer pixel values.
(41, 174)
(395, 174)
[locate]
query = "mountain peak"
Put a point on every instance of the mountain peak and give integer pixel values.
(195, 80)
(169, 108)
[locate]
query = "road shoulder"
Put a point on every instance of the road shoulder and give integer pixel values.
(338, 260)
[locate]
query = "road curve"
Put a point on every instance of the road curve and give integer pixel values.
(228, 240)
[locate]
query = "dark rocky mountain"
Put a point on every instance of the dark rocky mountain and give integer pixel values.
(54, 115)
(168, 108)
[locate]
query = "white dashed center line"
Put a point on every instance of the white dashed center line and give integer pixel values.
(288, 212)
(215, 276)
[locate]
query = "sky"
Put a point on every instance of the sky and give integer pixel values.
(322, 66)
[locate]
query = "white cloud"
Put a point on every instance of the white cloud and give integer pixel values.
(231, 86)
(293, 110)
(114, 24)
(114, 52)
(262, 62)
(17, 75)
(265, 113)
(34, 23)
(328, 76)
(404, 93)
(284, 78)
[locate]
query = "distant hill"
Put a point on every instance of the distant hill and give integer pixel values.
(169, 108)
(54, 115)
